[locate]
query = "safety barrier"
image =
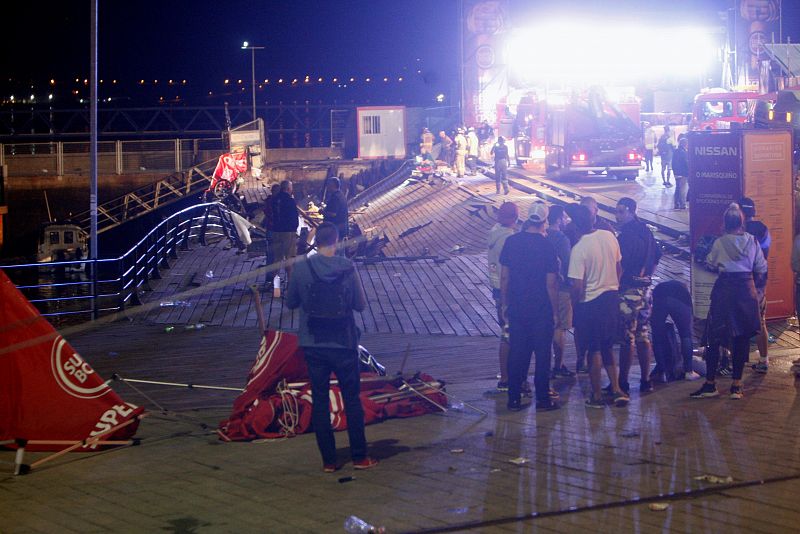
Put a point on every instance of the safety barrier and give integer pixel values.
(90, 288)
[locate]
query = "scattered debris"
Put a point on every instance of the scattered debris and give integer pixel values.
(458, 248)
(456, 451)
(174, 303)
(714, 479)
(519, 461)
(489, 434)
(342, 480)
(209, 274)
(658, 506)
(632, 434)
(413, 229)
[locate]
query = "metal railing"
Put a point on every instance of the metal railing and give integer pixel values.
(150, 197)
(113, 157)
(90, 288)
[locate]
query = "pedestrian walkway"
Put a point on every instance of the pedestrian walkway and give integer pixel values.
(570, 470)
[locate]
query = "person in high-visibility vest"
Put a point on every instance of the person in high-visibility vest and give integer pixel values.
(461, 153)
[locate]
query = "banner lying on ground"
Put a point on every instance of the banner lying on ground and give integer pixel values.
(48, 392)
(277, 399)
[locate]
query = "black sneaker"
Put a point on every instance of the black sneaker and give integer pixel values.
(592, 402)
(645, 386)
(706, 391)
(516, 405)
(658, 376)
(624, 386)
(546, 405)
(737, 392)
(502, 386)
(562, 371)
(553, 394)
(526, 390)
(725, 371)
(621, 399)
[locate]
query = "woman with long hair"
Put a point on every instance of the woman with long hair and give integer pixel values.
(734, 316)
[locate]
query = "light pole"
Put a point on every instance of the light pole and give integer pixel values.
(247, 46)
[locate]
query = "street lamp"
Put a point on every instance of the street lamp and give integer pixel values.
(247, 46)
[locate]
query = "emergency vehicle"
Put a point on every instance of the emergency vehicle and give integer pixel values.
(717, 111)
(579, 134)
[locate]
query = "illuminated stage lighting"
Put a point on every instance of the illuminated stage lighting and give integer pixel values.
(570, 52)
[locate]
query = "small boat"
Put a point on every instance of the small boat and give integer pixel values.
(62, 241)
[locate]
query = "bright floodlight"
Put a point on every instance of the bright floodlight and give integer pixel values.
(244, 44)
(606, 53)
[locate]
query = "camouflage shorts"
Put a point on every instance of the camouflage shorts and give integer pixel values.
(635, 306)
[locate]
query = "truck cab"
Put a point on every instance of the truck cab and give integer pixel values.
(717, 111)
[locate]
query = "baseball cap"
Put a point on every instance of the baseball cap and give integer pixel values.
(748, 206)
(537, 213)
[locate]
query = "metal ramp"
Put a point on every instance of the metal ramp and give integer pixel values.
(146, 199)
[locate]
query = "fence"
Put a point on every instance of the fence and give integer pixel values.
(77, 290)
(113, 157)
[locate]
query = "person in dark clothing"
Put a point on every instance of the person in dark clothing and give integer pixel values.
(500, 153)
(268, 221)
(325, 355)
(680, 166)
(760, 231)
(672, 299)
(529, 293)
(666, 148)
(335, 211)
(573, 234)
(733, 316)
(640, 255)
(285, 221)
(556, 220)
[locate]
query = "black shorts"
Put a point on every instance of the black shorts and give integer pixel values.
(596, 321)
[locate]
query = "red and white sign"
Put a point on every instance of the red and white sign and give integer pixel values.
(48, 392)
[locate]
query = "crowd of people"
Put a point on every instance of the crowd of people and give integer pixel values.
(567, 268)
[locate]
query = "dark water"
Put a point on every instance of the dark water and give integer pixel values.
(27, 210)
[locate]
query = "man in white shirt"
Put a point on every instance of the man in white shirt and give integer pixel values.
(594, 269)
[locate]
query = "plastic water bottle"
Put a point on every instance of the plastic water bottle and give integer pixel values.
(276, 286)
(355, 525)
(209, 274)
(197, 326)
(169, 329)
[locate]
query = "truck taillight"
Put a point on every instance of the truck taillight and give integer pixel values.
(579, 156)
(633, 156)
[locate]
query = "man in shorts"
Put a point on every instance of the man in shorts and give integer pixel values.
(556, 220)
(640, 255)
(594, 265)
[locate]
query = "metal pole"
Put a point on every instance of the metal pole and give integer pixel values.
(93, 155)
(253, 55)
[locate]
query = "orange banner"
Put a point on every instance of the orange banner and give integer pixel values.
(768, 181)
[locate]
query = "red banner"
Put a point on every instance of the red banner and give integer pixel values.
(48, 392)
(230, 166)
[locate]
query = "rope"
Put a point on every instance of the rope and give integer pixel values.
(291, 409)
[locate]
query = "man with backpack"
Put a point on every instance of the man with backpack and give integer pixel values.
(327, 290)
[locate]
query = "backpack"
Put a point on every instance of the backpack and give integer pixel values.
(330, 317)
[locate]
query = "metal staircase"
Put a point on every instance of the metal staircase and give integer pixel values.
(146, 199)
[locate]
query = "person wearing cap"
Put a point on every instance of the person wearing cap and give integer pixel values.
(335, 210)
(461, 153)
(640, 255)
(473, 144)
(507, 217)
(594, 268)
(529, 293)
(760, 231)
(556, 220)
(500, 153)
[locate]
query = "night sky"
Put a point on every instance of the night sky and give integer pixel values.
(200, 40)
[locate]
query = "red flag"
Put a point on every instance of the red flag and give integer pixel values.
(47, 390)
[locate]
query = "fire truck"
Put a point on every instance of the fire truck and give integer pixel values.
(578, 134)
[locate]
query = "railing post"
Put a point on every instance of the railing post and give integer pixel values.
(118, 156)
(178, 162)
(94, 289)
(60, 158)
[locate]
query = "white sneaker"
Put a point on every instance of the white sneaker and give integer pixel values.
(691, 375)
